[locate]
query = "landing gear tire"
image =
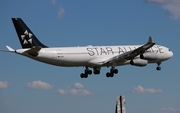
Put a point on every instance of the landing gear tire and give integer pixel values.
(158, 68)
(112, 72)
(96, 72)
(109, 74)
(83, 75)
(115, 71)
(88, 72)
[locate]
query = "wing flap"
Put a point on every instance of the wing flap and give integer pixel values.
(98, 61)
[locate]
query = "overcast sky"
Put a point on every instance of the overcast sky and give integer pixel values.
(28, 86)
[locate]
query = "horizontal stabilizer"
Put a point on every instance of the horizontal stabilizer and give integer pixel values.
(10, 49)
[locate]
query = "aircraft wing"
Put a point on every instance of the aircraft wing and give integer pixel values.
(131, 54)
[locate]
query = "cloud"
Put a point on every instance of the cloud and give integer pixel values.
(171, 6)
(4, 85)
(78, 85)
(74, 91)
(170, 109)
(140, 89)
(54, 2)
(61, 12)
(78, 89)
(39, 85)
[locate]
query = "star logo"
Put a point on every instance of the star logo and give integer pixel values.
(26, 37)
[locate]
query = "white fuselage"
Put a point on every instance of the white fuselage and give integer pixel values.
(91, 56)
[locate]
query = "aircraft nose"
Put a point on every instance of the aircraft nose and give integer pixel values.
(170, 54)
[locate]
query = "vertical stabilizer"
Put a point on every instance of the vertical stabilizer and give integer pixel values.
(120, 104)
(26, 37)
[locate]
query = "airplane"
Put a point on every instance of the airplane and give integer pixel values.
(94, 57)
(120, 105)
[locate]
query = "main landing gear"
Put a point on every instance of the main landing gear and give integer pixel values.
(96, 71)
(112, 72)
(86, 73)
(158, 67)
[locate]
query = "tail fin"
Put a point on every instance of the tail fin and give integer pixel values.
(120, 105)
(26, 37)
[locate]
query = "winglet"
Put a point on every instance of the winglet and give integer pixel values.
(10, 49)
(150, 40)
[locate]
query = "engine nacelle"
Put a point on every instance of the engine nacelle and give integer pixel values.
(139, 62)
(149, 56)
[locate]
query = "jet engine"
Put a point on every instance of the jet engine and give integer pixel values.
(149, 56)
(139, 62)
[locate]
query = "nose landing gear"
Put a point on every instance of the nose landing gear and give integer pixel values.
(158, 67)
